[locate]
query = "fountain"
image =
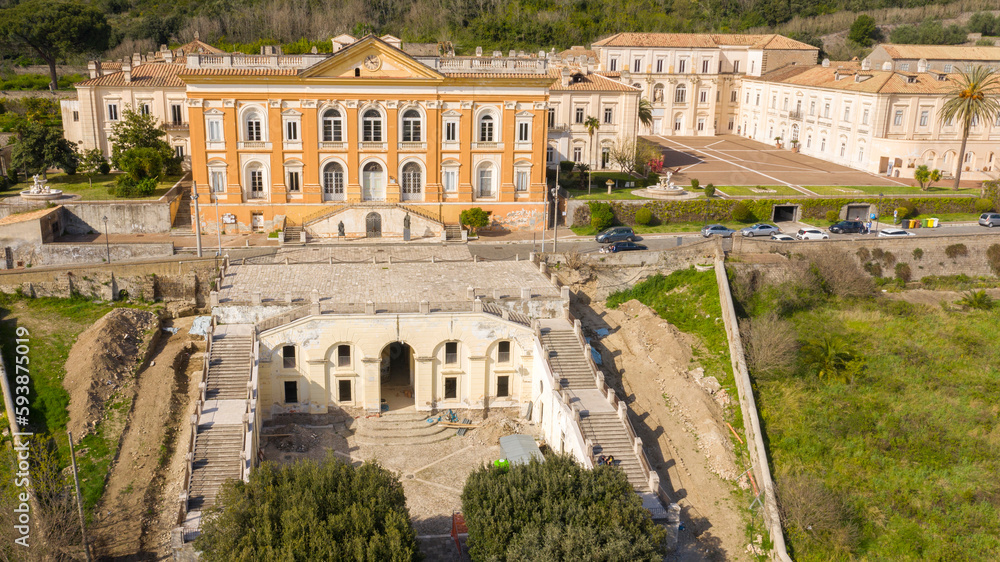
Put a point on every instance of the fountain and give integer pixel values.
(665, 189)
(39, 191)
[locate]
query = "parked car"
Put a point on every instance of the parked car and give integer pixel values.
(615, 234)
(622, 247)
(989, 219)
(894, 232)
(782, 237)
(718, 230)
(811, 234)
(848, 227)
(760, 229)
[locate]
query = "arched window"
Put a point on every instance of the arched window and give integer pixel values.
(795, 132)
(680, 94)
(333, 181)
(486, 128)
(412, 181)
(372, 184)
(332, 126)
(485, 181)
(255, 180)
(372, 126)
(658, 93)
(253, 126)
(411, 126)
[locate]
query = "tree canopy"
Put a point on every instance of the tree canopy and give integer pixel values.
(863, 31)
(310, 511)
(974, 99)
(37, 147)
(135, 130)
(557, 510)
(55, 28)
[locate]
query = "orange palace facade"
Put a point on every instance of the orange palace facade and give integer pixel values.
(368, 134)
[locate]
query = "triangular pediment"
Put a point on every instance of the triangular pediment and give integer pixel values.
(371, 58)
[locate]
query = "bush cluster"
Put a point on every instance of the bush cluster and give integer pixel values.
(984, 205)
(601, 215)
(643, 216)
(956, 250)
(743, 212)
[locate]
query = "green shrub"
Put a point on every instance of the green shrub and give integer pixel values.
(903, 272)
(956, 250)
(601, 215)
(695, 183)
(566, 166)
(105, 168)
(911, 207)
(742, 212)
(709, 190)
(917, 254)
(145, 187)
(984, 205)
(833, 215)
(475, 218)
(874, 269)
(643, 216)
(863, 254)
(902, 213)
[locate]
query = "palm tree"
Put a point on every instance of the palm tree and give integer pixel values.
(974, 99)
(645, 112)
(592, 124)
(829, 356)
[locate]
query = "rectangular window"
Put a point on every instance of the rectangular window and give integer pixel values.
(76, 116)
(608, 115)
(521, 180)
(826, 110)
(292, 131)
(112, 112)
(175, 114)
(179, 152)
(898, 119)
(701, 124)
(905, 66)
(552, 117)
(613, 65)
(218, 181)
(291, 392)
(730, 124)
(605, 157)
(451, 353)
(451, 388)
(343, 355)
(947, 68)
(288, 357)
(924, 117)
(812, 108)
(847, 113)
(451, 131)
(704, 66)
(503, 352)
(550, 154)
(703, 96)
(637, 65)
(682, 66)
(736, 66)
(774, 101)
(577, 154)
(294, 184)
(757, 102)
(579, 115)
(343, 391)
(732, 96)
(523, 131)
(503, 386)
(144, 108)
(449, 181)
(253, 130)
(659, 65)
(215, 130)
(677, 124)
(784, 104)
(864, 116)
(257, 183)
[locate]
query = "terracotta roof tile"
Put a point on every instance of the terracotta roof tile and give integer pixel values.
(29, 216)
(942, 52)
(148, 75)
(879, 81)
(239, 72)
(702, 40)
(593, 83)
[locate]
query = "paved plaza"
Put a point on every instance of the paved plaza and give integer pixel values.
(368, 253)
(733, 160)
(357, 283)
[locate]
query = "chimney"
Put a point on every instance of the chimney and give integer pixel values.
(136, 59)
(565, 78)
(922, 65)
(168, 56)
(512, 53)
(866, 64)
(479, 51)
(127, 71)
(196, 36)
(826, 63)
(93, 68)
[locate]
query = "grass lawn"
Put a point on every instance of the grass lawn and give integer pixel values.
(53, 326)
(666, 228)
(899, 463)
(847, 190)
(601, 194)
(79, 185)
(748, 190)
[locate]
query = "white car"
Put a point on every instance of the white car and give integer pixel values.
(811, 234)
(894, 233)
(782, 237)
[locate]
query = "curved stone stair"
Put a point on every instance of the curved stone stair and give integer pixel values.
(399, 428)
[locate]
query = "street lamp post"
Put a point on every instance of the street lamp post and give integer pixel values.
(218, 225)
(197, 218)
(107, 244)
(555, 221)
(878, 213)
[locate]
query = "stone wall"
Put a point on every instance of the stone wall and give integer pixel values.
(67, 253)
(933, 252)
(391, 220)
(123, 218)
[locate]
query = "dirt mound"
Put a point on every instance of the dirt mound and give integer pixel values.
(103, 361)
(493, 428)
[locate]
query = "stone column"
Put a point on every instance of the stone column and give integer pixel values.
(318, 386)
(369, 391)
(478, 382)
(423, 383)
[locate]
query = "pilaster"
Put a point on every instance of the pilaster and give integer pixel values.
(423, 383)
(478, 382)
(369, 388)
(318, 385)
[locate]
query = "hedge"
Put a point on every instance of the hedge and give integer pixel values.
(721, 209)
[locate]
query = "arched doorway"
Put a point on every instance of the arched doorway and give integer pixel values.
(372, 184)
(396, 370)
(373, 225)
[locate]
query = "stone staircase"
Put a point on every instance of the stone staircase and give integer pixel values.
(293, 235)
(216, 459)
(396, 428)
(182, 220)
(453, 232)
(604, 429)
(229, 367)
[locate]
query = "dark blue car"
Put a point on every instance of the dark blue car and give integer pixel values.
(616, 234)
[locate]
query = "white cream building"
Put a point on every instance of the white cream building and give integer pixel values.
(878, 121)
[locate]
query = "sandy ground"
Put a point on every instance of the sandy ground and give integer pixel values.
(678, 413)
(134, 518)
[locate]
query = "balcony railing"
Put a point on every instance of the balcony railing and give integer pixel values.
(517, 65)
(410, 145)
(368, 145)
(795, 115)
(175, 126)
(489, 145)
(332, 145)
(254, 145)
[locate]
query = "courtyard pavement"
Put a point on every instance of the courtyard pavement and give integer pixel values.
(734, 160)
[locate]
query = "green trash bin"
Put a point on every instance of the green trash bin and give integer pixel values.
(925, 223)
